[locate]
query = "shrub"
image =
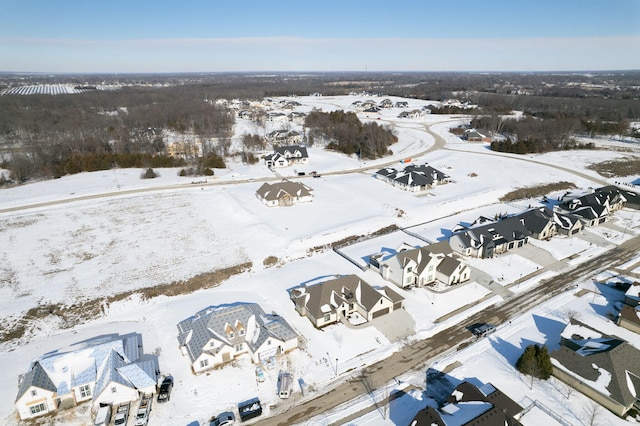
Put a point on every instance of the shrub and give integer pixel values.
(535, 362)
(148, 174)
(208, 172)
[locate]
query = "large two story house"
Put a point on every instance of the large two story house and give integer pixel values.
(285, 156)
(420, 266)
(105, 371)
(219, 334)
(337, 299)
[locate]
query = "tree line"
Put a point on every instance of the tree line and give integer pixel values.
(344, 132)
(45, 136)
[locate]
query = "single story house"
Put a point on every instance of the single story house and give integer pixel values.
(287, 155)
(567, 223)
(413, 177)
(489, 239)
(605, 368)
(219, 334)
(469, 405)
(106, 372)
(337, 299)
(284, 193)
(473, 135)
(594, 207)
(540, 222)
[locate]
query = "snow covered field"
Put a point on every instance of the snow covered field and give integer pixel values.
(108, 239)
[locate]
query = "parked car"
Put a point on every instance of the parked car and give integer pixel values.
(122, 414)
(103, 416)
(223, 419)
(249, 409)
(142, 415)
(259, 374)
(164, 394)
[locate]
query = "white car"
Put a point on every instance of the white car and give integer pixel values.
(223, 419)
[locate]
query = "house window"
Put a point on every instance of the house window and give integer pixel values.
(35, 409)
(241, 332)
(409, 269)
(269, 342)
(239, 347)
(231, 335)
(34, 392)
(430, 268)
(204, 363)
(212, 344)
(114, 389)
(327, 317)
(408, 280)
(85, 391)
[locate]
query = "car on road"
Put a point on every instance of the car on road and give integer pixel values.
(164, 394)
(223, 419)
(481, 330)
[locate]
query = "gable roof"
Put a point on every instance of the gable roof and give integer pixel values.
(414, 175)
(536, 220)
(36, 376)
(196, 331)
(327, 296)
(500, 232)
(297, 151)
(101, 361)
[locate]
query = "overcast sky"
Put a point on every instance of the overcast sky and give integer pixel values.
(328, 35)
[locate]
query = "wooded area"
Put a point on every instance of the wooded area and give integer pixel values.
(48, 136)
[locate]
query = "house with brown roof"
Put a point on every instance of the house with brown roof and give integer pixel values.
(420, 266)
(604, 368)
(285, 193)
(471, 405)
(337, 299)
(629, 316)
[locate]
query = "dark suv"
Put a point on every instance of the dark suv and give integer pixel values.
(164, 394)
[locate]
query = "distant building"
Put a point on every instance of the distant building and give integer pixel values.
(284, 193)
(413, 177)
(287, 155)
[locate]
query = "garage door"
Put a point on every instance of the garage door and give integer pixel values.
(380, 312)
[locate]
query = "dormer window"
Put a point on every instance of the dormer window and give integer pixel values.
(34, 392)
(241, 332)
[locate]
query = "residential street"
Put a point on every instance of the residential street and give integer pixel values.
(419, 354)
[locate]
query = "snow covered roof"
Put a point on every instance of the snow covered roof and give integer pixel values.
(608, 365)
(195, 332)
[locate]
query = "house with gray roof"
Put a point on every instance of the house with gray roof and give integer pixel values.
(219, 334)
(285, 156)
(338, 299)
(595, 206)
(605, 368)
(285, 193)
(470, 405)
(104, 371)
(413, 177)
(540, 222)
(491, 238)
(420, 266)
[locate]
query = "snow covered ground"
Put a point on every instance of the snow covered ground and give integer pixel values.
(108, 238)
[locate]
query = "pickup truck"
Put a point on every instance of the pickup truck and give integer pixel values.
(122, 414)
(142, 415)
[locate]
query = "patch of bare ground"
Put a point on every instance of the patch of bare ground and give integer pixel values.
(270, 261)
(620, 167)
(355, 239)
(80, 312)
(536, 191)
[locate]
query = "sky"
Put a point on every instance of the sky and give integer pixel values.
(330, 35)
